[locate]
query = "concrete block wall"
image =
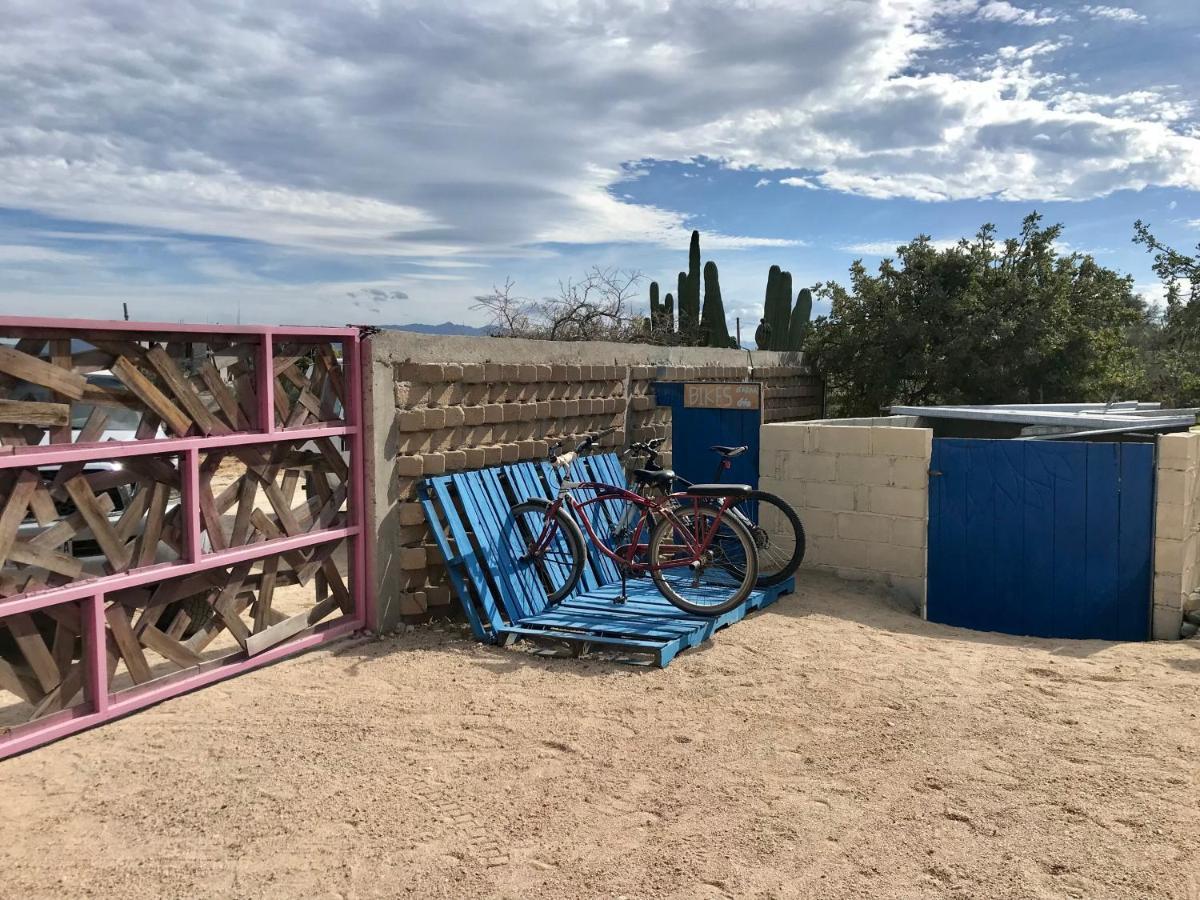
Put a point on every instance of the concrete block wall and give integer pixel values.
(438, 404)
(1176, 533)
(862, 492)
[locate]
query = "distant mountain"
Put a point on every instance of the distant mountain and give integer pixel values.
(444, 328)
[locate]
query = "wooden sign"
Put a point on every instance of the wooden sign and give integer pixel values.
(717, 395)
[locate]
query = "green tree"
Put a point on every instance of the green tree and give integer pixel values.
(1169, 341)
(985, 321)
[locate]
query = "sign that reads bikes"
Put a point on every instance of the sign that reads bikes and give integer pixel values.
(717, 395)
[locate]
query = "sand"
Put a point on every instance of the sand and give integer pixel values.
(832, 746)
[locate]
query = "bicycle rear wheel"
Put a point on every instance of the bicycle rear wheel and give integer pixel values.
(559, 560)
(724, 574)
(778, 535)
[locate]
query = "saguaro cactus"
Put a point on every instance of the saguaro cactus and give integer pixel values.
(783, 313)
(713, 323)
(669, 314)
(770, 301)
(800, 318)
(689, 291)
(655, 308)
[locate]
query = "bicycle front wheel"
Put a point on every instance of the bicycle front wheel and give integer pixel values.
(708, 581)
(551, 547)
(778, 535)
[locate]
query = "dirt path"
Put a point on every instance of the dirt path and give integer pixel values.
(831, 746)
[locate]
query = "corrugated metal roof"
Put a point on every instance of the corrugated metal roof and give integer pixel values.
(1130, 415)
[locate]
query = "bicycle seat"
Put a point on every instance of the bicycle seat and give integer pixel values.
(660, 478)
(718, 490)
(729, 452)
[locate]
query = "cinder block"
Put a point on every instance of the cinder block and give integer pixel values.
(410, 514)
(808, 466)
(456, 460)
(890, 501)
(510, 453)
(891, 441)
(853, 439)
(1166, 623)
(1176, 485)
(574, 373)
(1177, 451)
(452, 372)
(434, 463)
(839, 552)
(493, 412)
(1168, 556)
(910, 532)
(828, 496)
(434, 419)
(852, 469)
(527, 449)
(821, 523)
(409, 466)
(412, 603)
(543, 409)
(410, 420)
(472, 373)
(1168, 590)
(454, 416)
(430, 373)
(412, 558)
(864, 527)
(527, 412)
(909, 472)
(476, 458)
(905, 562)
(788, 436)
(494, 455)
(473, 415)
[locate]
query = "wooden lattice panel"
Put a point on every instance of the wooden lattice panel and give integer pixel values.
(41, 664)
(310, 385)
(247, 608)
(60, 524)
(249, 494)
(90, 388)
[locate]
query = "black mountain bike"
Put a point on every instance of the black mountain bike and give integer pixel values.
(777, 531)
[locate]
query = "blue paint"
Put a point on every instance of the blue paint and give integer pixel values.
(695, 431)
(1049, 539)
(502, 597)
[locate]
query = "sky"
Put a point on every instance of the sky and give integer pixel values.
(374, 162)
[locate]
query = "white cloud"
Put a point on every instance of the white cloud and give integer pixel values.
(1003, 11)
(888, 248)
(24, 253)
(1116, 13)
(797, 181)
(1192, 223)
(467, 130)
(762, 182)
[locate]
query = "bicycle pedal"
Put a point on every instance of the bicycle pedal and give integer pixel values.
(620, 600)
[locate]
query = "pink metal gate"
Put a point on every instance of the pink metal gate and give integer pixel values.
(178, 504)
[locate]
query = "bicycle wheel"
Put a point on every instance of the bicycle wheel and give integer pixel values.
(559, 562)
(724, 574)
(778, 535)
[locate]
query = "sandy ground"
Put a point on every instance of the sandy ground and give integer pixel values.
(831, 746)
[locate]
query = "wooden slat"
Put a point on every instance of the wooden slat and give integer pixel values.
(175, 380)
(42, 505)
(133, 379)
(34, 649)
(247, 492)
(12, 681)
(175, 651)
(28, 554)
(29, 412)
(178, 625)
(60, 355)
(65, 529)
(63, 693)
(289, 628)
(63, 647)
(222, 394)
(131, 515)
(102, 530)
(127, 643)
(266, 594)
(15, 508)
(36, 371)
(147, 545)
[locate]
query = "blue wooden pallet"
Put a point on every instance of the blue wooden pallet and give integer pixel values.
(502, 598)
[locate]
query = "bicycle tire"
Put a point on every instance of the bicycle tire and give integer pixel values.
(743, 574)
(773, 567)
(550, 571)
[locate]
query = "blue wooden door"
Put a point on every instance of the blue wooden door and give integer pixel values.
(1044, 538)
(695, 430)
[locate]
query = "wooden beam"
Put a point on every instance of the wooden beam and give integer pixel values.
(132, 378)
(34, 649)
(173, 377)
(127, 643)
(29, 412)
(102, 530)
(15, 509)
(168, 649)
(36, 371)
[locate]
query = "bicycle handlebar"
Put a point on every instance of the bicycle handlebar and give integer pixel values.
(562, 460)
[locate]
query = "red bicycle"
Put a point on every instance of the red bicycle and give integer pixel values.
(701, 559)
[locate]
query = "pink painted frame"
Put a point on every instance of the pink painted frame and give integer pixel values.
(100, 704)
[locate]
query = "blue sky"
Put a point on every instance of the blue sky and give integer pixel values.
(381, 162)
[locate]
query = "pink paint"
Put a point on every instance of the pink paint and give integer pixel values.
(101, 706)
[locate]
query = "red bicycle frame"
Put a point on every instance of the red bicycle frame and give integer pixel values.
(697, 543)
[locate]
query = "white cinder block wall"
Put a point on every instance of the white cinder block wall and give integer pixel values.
(1176, 532)
(862, 492)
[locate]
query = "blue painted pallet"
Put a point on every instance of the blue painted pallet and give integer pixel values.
(502, 597)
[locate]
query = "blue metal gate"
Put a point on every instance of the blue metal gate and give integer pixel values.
(1052, 539)
(694, 430)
